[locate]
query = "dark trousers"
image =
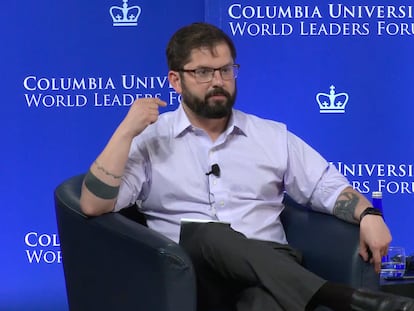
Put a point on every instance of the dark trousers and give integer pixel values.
(250, 275)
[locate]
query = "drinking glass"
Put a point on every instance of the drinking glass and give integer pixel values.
(393, 264)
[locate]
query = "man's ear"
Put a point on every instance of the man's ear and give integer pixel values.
(175, 80)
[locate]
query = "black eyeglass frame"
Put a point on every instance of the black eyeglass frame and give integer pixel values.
(235, 70)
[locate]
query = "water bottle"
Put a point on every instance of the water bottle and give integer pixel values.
(377, 200)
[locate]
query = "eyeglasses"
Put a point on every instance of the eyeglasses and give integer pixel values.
(203, 75)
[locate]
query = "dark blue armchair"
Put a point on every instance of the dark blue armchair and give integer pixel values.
(112, 262)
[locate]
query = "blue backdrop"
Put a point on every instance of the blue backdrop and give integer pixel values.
(70, 70)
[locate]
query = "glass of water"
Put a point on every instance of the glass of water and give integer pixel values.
(393, 264)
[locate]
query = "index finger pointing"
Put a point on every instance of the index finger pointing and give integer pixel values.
(160, 102)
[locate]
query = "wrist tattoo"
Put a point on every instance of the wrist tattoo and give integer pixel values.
(101, 168)
(345, 206)
(99, 188)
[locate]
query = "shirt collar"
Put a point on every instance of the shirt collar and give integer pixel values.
(237, 124)
(181, 122)
(182, 125)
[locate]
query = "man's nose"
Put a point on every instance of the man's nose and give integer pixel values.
(217, 78)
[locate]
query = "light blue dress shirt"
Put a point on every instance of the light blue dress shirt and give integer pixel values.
(259, 159)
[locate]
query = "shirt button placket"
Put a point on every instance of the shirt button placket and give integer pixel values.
(212, 181)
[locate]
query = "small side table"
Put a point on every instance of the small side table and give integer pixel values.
(403, 287)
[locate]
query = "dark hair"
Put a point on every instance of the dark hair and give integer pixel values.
(195, 36)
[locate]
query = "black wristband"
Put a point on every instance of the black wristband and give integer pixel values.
(370, 211)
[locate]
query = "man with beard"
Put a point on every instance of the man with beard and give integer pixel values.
(208, 161)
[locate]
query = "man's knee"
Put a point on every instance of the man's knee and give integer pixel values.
(210, 237)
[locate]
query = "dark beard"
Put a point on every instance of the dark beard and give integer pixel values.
(209, 109)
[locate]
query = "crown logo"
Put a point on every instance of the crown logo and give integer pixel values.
(332, 103)
(125, 16)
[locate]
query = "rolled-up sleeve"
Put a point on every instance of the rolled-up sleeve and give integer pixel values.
(136, 178)
(327, 190)
(310, 179)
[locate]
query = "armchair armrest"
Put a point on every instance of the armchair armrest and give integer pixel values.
(113, 263)
(329, 246)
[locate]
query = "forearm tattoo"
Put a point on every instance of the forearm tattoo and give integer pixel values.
(100, 167)
(345, 206)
